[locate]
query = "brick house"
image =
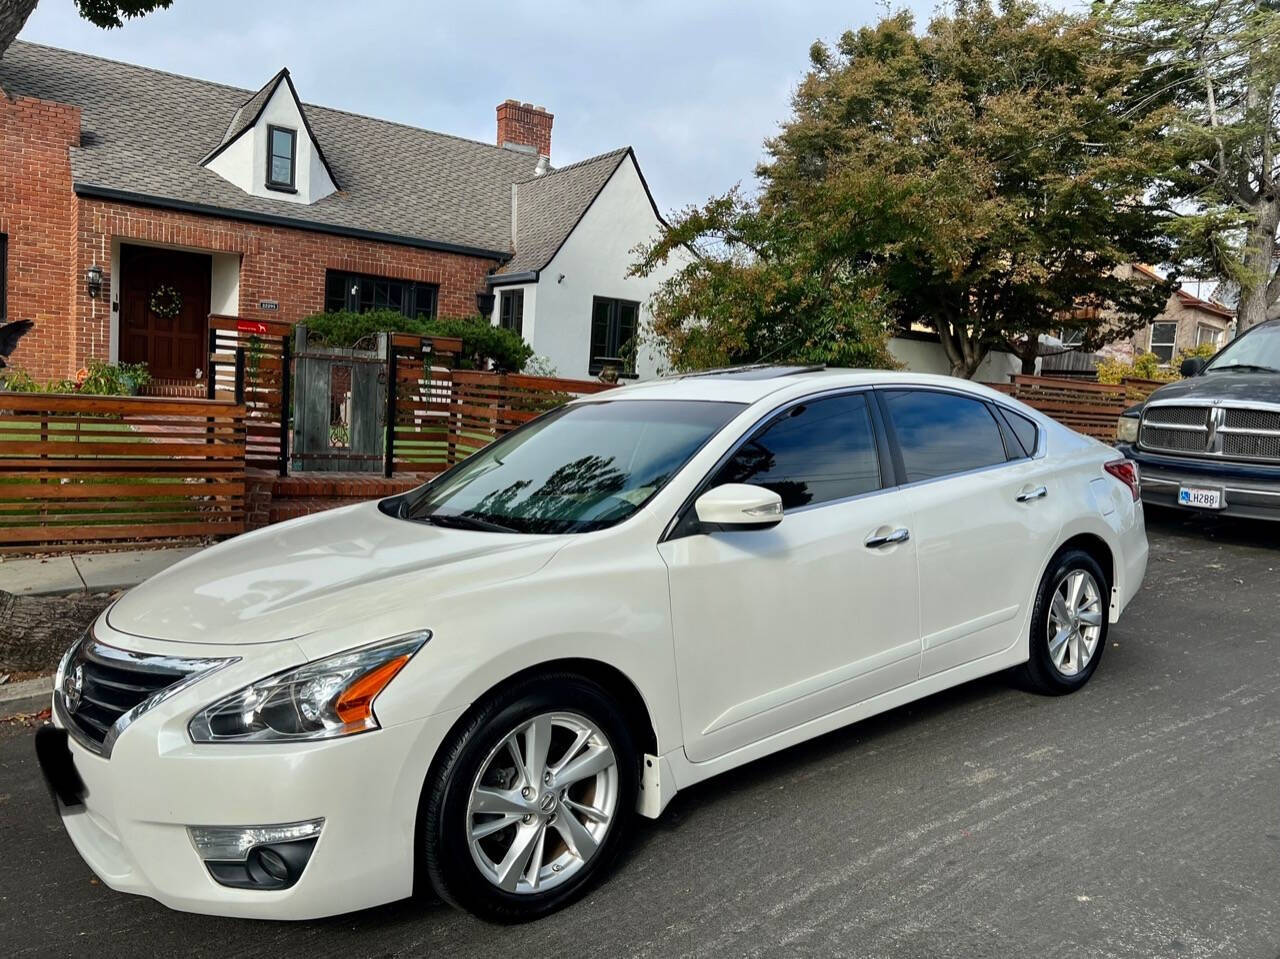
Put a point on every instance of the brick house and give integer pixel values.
(1185, 322)
(134, 203)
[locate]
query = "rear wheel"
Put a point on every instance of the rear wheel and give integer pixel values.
(530, 804)
(1068, 624)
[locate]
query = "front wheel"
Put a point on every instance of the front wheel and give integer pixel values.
(531, 799)
(1068, 624)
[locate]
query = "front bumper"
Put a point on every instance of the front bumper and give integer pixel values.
(137, 805)
(1248, 491)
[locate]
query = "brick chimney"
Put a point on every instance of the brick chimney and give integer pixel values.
(524, 125)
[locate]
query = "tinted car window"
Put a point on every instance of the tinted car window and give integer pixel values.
(942, 433)
(1023, 428)
(582, 468)
(818, 452)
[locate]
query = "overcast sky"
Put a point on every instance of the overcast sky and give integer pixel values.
(694, 85)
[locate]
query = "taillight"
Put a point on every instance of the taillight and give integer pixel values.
(1126, 471)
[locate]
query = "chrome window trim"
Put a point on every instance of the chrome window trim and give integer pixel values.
(194, 668)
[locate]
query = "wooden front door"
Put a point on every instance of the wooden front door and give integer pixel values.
(173, 341)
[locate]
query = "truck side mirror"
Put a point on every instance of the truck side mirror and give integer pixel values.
(1193, 366)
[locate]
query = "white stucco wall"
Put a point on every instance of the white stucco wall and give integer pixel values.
(925, 356)
(594, 262)
(224, 285)
(244, 162)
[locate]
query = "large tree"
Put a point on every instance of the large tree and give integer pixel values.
(1220, 61)
(104, 13)
(984, 179)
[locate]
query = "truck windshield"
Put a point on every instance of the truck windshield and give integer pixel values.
(582, 468)
(1257, 351)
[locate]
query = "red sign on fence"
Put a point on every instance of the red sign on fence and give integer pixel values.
(251, 326)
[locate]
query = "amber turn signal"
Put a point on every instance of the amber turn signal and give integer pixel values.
(356, 702)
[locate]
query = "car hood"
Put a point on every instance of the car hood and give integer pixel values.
(334, 568)
(1228, 387)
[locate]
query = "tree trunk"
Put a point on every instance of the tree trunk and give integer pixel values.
(964, 352)
(13, 16)
(1258, 291)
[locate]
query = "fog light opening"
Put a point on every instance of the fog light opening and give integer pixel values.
(256, 857)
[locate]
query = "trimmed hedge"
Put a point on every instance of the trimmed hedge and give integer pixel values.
(482, 342)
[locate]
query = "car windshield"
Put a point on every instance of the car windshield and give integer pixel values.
(1258, 351)
(582, 468)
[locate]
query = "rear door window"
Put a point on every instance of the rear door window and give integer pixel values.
(943, 433)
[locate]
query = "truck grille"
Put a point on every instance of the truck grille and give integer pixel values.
(1227, 432)
(103, 689)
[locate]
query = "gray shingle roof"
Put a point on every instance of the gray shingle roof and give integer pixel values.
(247, 114)
(549, 207)
(144, 133)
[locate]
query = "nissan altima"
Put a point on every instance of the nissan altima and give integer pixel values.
(477, 685)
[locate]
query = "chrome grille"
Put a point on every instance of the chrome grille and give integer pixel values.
(1178, 416)
(1175, 429)
(1179, 441)
(1251, 446)
(1263, 420)
(1227, 432)
(102, 689)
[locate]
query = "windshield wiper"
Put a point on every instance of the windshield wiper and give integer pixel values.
(460, 521)
(1243, 366)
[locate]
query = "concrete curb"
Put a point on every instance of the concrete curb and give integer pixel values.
(27, 696)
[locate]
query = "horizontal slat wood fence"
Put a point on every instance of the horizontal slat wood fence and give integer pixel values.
(443, 416)
(92, 470)
(266, 381)
(1088, 408)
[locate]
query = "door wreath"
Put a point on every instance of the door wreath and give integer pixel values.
(166, 302)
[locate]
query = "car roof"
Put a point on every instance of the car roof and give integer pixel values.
(752, 384)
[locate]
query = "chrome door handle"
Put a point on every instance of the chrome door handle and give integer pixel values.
(1026, 496)
(889, 539)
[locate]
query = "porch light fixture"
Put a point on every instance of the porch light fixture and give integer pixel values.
(484, 303)
(93, 277)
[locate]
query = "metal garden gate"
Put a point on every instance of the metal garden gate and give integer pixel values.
(339, 406)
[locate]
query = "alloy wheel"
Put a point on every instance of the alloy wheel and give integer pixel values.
(1074, 622)
(542, 803)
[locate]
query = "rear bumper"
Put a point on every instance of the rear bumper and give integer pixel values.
(1248, 491)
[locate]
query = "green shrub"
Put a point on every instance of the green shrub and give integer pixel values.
(482, 342)
(97, 379)
(1146, 366)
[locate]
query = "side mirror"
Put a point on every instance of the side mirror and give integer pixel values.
(738, 506)
(1193, 366)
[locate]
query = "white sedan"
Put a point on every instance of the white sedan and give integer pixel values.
(478, 684)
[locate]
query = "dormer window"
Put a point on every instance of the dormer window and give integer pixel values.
(282, 158)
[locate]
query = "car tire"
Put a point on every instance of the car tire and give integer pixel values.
(1066, 643)
(476, 772)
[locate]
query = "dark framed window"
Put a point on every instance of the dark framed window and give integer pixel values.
(615, 325)
(359, 293)
(282, 157)
(816, 452)
(943, 433)
(511, 310)
(4, 275)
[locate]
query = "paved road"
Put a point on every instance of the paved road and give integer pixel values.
(1138, 818)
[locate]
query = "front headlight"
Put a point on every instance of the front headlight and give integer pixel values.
(1127, 429)
(330, 697)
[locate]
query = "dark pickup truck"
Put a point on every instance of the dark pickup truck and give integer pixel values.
(1211, 441)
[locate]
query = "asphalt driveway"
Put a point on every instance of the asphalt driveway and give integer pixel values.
(1138, 818)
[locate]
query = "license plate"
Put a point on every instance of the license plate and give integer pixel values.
(1200, 497)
